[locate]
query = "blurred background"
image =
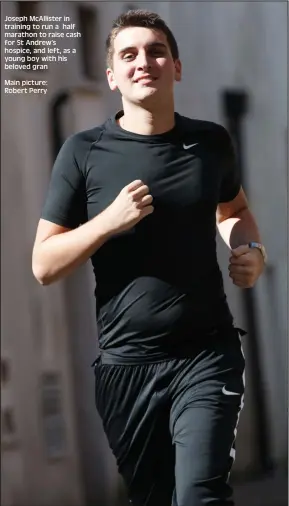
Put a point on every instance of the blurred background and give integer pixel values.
(234, 55)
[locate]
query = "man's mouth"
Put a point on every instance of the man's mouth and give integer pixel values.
(145, 78)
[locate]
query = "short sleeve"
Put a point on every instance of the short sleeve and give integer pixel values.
(65, 203)
(230, 180)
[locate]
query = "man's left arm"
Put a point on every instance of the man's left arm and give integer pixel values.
(238, 228)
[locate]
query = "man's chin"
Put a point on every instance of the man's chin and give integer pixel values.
(148, 94)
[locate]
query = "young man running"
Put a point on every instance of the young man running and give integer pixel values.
(141, 196)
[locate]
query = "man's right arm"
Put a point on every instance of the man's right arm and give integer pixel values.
(59, 250)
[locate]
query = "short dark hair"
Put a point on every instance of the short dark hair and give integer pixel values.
(141, 18)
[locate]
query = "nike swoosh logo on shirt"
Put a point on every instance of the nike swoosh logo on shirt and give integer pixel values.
(188, 146)
(227, 392)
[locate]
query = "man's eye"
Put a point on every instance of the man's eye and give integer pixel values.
(159, 52)
(128, 56)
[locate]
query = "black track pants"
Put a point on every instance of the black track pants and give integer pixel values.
(172, 425)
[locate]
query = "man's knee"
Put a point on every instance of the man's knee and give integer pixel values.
(215, 491)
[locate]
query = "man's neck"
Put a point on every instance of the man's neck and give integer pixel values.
(144, 122)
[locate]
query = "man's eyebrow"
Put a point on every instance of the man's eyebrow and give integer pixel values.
(150, 45)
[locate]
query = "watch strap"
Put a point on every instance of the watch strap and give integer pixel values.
(260, 247)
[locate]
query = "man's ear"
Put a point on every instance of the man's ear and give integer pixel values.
(178, 70)
(110, 78)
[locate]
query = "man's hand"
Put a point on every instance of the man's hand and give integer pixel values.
(131, 205)
(246, 265)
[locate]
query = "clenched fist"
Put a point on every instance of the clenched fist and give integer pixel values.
(246, 265)
(131, 205)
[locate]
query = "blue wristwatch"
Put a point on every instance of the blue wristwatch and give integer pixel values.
(261, 248)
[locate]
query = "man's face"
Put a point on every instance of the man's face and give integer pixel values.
(143, 66)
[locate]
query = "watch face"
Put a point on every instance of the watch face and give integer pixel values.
(259, 247)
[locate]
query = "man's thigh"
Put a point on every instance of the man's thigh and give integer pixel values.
(135, 418)
(204, 419)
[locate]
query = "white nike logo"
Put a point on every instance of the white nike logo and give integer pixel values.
(188, 146)
(227, 392)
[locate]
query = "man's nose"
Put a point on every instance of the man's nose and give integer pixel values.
(143, 61)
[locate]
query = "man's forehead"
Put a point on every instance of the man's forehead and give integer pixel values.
(138, 36)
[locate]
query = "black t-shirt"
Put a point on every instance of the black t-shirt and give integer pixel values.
(158, 285)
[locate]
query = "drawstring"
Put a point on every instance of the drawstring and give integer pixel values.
(96, 361)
